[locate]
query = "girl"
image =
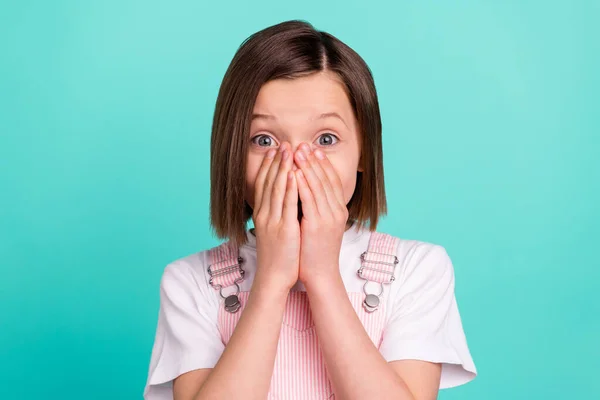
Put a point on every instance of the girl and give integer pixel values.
(310, 304)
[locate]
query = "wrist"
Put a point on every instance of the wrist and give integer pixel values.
(323, 281)
(269, 289)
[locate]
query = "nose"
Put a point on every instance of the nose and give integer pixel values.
(293, 147)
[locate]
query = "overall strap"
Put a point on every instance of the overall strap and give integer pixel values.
(225, 269)
(377, 265)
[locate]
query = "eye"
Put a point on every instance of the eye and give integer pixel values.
(264, 140)
(326, 139)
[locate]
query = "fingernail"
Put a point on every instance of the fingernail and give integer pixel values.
(285, 154)
(320, 155)
(271, 153)
(301, 155)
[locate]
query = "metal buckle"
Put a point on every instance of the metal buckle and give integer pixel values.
(362, 267)
(232, 302)
(372, 301)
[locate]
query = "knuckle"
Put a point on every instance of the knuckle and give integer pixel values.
(276, 191)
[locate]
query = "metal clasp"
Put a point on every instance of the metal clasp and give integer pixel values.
(232, 302)
(372, 301)
(362, 267)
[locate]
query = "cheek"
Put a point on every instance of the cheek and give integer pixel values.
(347, 174)
(349, 185)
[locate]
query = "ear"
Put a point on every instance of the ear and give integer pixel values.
(360, 166)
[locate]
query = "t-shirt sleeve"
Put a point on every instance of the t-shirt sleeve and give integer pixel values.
(187, 335)
(424, 322)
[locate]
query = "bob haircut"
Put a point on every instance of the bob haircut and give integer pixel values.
(289, 50)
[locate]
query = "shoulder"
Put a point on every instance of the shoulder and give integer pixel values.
(191, 271)
(191, 265)
(421, 260)
(426, 266)
(410, 251)
(187, 275)
(414, 254)
(424, 275)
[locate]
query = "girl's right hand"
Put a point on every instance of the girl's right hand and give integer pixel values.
(276, 225)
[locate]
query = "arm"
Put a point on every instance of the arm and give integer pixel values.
(357, 370)
(245, 368)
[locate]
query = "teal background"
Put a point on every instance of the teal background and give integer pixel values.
(490, 116)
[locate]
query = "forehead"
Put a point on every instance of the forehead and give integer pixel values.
(304, 97)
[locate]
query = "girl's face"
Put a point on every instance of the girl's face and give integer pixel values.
(313, 109)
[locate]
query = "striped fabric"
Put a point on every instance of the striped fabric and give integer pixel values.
(300, 371)
(379, 261)
(224, 269)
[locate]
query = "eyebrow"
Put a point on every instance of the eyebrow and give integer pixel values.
(321, 116)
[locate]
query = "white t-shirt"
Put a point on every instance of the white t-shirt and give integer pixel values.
(422, 319)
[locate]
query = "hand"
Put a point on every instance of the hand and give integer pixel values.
(275, 217)
(325, 215)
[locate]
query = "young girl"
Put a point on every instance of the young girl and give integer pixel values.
(310, 304)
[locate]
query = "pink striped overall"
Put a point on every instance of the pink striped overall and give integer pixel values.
(299, 371)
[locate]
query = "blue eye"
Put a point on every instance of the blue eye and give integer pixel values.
(326, 139)
(329, 137)
(265, 141)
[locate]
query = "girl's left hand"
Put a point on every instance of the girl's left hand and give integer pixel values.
(324, 215)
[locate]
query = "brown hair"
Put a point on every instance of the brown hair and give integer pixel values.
(288, 50)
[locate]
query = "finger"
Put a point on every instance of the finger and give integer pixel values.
(259, 183)
(269, 181)
(309, 208)
(316, 185)
(315, 164)
(279, 186)
(332, 176)
(290, 205)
